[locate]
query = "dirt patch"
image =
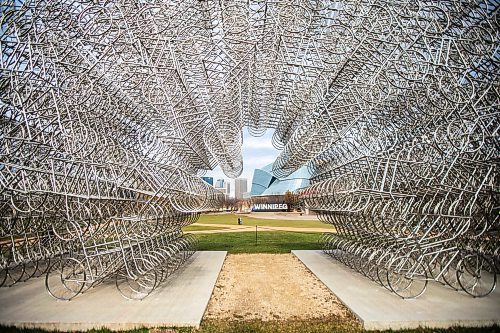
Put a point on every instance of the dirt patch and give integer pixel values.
(271, 287)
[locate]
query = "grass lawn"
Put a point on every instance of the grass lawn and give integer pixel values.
(231, 219)
(267, 242)
(310, 326)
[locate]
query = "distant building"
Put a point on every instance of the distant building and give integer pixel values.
(240, 187)
(219, 186)
(219, 183)
(209, 180)
(223, 190)
(264, 183)
(268, 191)
(228, 189)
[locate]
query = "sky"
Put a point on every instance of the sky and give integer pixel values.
(257, 153)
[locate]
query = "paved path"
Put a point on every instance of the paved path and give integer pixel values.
(282, 216)
(180, 301)
(246, 228)
(379, 309)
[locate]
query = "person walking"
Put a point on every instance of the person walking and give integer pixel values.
(239, 221)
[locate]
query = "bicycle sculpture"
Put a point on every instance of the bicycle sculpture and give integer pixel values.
(110, 112)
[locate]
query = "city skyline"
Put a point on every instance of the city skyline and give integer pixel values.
(257, 152)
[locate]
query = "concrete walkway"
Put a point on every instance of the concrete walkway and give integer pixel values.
(377, 308)
(246, 228)
(180, 301)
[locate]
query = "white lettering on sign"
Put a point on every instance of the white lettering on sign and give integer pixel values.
(266, 206)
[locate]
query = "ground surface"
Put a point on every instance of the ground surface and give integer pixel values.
(218, 228)
(267, 242)
(283, 216)
(220, 232)
(271, 287)
(292, 220)
(262, 293)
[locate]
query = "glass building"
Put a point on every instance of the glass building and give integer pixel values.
(264, 183)
(209, 180)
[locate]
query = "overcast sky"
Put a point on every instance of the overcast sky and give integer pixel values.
(257, 153)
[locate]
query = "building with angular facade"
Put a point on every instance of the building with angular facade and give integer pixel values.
(264, 182)
(208, 180)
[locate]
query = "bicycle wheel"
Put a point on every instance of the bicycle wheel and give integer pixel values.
(406, 277)
(66, 279)
(476, 275)
(382, 263)
(30, 270)
(449, 267)
(3, 275)
(138, 280)
(15, 273)
(136, 287)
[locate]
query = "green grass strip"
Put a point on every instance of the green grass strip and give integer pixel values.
(267, 242)
(232, 219)
(305, 326)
